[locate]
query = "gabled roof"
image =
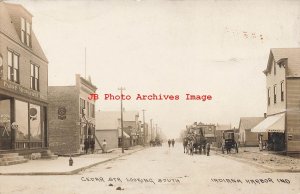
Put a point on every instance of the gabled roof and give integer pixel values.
(8, 28)
(221, 127)
(110, 119)
(249, 122)
(293, 58)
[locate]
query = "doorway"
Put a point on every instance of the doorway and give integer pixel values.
(5, 123)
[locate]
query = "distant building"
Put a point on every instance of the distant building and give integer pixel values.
(23, 84)
(71, 116)
(283, 100)
(108, 126)
(246, 137)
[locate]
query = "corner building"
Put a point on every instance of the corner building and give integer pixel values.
(23, 84)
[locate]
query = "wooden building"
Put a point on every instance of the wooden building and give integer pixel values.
(23, 84)
(283, 100)
(246, 137)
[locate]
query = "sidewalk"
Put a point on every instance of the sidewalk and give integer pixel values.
(60, 166)
(267, 160)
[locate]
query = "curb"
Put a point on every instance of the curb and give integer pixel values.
(272, 169)
(72, 172)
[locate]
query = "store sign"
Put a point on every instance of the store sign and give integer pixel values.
(20, 89)
(62, 113)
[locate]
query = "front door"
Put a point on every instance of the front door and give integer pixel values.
(5, 124)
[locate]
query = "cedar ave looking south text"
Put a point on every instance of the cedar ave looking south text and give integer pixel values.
(156, 97)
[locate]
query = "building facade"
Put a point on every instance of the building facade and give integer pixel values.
(23, 83)
(71, 116)
(246, 137)
(283, 100)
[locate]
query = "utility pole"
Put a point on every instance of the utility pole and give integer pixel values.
(156, 131)
(144, 127)
(85, 63)
(121, 88)
(150, 129)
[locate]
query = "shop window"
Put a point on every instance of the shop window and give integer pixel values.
(21, 120)
(35, 123)
(34, 77)
(13, 67)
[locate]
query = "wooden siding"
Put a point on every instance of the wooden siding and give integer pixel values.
(293, 115)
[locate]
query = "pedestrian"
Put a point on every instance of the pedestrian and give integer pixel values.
(169, 142)
(173, 142)
(92, 145)
(104, 144)
(208, 148)
(86, 145)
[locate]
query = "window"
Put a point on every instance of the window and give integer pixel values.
(88, 109)
(274, 63)
(82, 105)
(269, 96)
(92, 110)
(25, 32)
(275, 94)
(28, 29)
(34, 77)
(13, 67)
(21, 114)
(281, 91)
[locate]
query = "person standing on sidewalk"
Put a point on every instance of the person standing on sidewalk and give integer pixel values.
(169, 142)
(86, 145)
(173, 142)
(92, 145)
(104, 144)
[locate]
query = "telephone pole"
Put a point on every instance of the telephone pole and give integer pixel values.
(144, 128)
(121, 88)
(150, 129)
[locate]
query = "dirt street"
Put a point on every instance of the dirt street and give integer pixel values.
(160, 170)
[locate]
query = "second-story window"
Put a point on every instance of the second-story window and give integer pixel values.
(275, 91)
(92, 110)
(281, 91)
(82, 105)
(269, 96)
(34, 77)
(274, 67)
(25, 32)
(88, 108)
(13, 67)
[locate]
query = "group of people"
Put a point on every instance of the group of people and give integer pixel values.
(90, 144)
(171, 142)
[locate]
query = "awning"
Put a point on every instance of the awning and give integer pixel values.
(275, 123)
(124, 134)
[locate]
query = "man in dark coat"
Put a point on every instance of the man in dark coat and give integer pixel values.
(169, 142)
(86, 145)
(173, 142)
(92, 145)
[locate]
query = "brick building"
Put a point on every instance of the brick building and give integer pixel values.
(71, 116)
(23, 83)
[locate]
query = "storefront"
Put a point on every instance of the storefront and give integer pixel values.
(23, 123)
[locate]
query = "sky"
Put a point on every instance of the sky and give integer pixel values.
(168, 47)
